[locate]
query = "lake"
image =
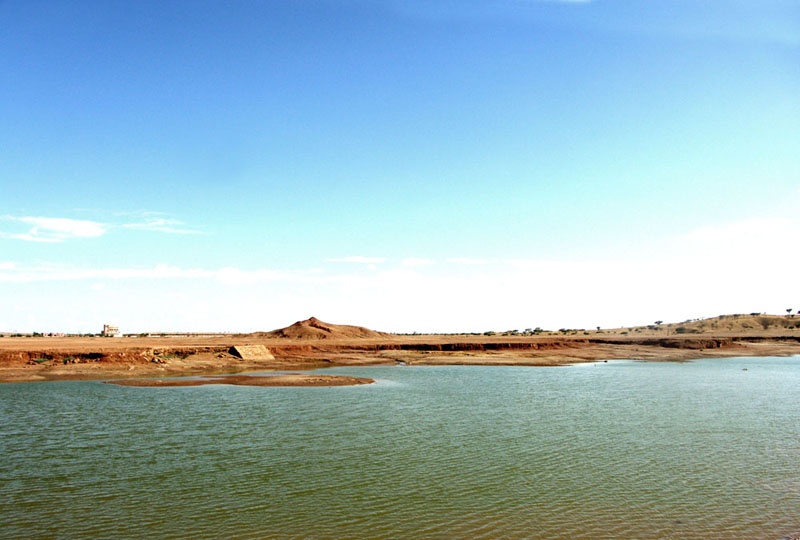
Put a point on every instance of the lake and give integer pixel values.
(705, 449)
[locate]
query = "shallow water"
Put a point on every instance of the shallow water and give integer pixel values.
(610, 450)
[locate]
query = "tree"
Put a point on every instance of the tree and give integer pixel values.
(789, 311)
(658, 323)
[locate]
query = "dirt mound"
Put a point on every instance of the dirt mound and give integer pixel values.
(313, 328)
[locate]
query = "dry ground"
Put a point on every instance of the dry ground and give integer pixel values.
(40, 359)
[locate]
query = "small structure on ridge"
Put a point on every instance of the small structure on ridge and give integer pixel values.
(110, 330)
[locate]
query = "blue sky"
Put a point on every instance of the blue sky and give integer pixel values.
(433, 166)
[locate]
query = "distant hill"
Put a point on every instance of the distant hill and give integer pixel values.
(313, 328)
(739, 324)
(743, 323)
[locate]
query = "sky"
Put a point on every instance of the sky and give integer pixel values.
(428, 166)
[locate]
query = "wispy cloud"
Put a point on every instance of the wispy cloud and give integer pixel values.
(160, 224)
(59, 229)
(28, 274)
(236, 276)
(358, 259)
(49, 229)
(704, 272)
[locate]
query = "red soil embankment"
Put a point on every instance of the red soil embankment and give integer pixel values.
(129, 354)
(27, 359)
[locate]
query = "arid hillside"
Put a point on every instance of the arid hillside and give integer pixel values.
(740, 323)
(737, 324)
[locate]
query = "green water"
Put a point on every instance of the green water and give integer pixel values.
(611, 450)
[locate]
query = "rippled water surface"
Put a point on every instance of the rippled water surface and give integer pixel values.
(617, 450)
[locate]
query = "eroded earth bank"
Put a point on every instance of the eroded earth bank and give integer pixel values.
(42, 359)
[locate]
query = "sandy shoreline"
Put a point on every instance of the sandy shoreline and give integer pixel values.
(47, 359)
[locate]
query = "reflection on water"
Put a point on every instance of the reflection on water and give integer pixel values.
(611, 450)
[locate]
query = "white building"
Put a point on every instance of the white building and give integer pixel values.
(110, 330)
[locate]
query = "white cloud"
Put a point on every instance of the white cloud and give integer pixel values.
(416, 262)
(235, 276)
(28, 237)
(766, 234)
(56, 229)
(159, 224)
(731, 268)
(48, 229)
(21, 274)
(358, 259)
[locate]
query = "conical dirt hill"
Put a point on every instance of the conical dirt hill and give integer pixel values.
(313, 328)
